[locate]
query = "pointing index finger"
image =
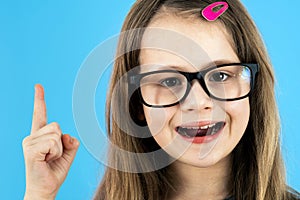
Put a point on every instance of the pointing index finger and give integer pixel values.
(39, 118)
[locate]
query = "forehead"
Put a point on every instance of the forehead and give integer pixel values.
(171, 40)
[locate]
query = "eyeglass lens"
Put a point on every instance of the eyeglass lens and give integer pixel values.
(165, 88)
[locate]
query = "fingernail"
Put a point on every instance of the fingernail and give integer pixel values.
(71, 140)
(39, 94)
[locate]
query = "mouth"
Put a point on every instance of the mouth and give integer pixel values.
(200, 131)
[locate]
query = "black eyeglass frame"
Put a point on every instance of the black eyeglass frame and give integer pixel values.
(134, 80)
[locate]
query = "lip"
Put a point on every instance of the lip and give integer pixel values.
(203, 139)
(200, 123)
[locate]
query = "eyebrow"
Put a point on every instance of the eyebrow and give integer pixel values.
(218, 62)
(181, 68)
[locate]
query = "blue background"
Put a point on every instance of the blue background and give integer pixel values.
(46, 41)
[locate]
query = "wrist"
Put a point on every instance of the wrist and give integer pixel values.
(39, 193)
(30, 196)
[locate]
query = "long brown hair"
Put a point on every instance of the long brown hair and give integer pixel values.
(258, 170)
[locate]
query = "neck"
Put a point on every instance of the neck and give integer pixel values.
(194, 182)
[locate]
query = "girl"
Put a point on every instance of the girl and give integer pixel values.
(201, 93)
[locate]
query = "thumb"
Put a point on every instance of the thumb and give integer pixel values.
(70, 146)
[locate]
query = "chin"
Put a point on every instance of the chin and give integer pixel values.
(210, 160)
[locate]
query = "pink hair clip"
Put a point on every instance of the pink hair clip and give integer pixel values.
(209, 14)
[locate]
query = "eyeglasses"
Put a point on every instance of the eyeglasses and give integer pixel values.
(165, 88)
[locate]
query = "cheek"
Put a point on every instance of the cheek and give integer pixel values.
(158, 118)
(238, 112)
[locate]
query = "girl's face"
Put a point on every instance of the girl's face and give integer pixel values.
(198, 109)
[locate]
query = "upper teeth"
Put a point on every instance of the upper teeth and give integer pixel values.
(201, 127)
(211, 125)
(204, 127)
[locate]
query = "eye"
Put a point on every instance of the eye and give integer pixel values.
(219, 77)
(171, 82)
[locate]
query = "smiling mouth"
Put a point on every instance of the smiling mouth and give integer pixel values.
(200, 131)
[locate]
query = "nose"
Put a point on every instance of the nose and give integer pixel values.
(197, 99)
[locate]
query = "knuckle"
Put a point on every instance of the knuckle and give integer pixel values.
(52, 142)
(56, 136)
(55, 127)
(25, 141)
(55, 139)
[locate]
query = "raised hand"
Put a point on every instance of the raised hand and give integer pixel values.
(48, 153)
